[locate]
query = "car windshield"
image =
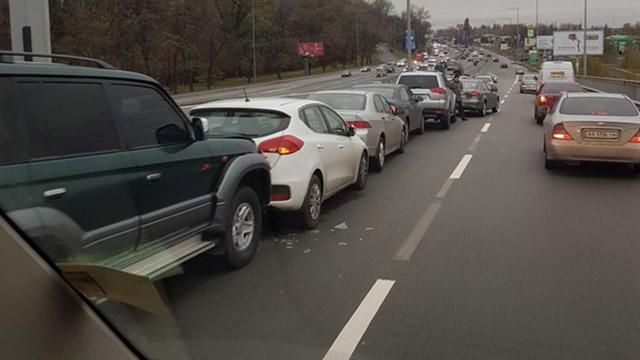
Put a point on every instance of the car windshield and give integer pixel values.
(599, 106)
(419, 81)
(303, 179)
(251, 123)
(342, 101)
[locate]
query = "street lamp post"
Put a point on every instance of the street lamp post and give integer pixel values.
(517, 9)
(584, 46)
(408, 38)
(253, 21)
(357, 41)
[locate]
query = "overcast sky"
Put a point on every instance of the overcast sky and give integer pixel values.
(446, 13)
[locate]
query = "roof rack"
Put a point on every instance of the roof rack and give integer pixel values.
(99, 63)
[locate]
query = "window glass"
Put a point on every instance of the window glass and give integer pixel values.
(342, 101)
(252, 123)
(601, 106)
(147, 118)
(385, 105)
(469, 85)
(378, 104)
(419, 81)
(404, 96)
(313, 118)
(13, 129)
(77, 117)
(386, 92)
(334, 121)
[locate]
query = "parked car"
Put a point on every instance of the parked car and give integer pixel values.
(519, 70)
(529, 83)
(504, 66)
(592, 127)
(365, 69)
(312, 152)
(381, 72)
(370, 114)
(548, 94)
(403, 103)
(495, 60)
(438, 100)
(477, 97)
(116, 143)
(346, 74)
(489, 81)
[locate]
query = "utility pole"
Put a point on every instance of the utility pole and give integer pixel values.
(584, 45)
(537, 23)
(357, 41)
(253, 20)
(408, 39)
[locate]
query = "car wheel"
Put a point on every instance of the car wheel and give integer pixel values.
(363, 172)
(497, 107)
(377, 162)
(539, 120)
(483, 111)
(404, 140)
(445, 121)
(312, 203)
(243, 228)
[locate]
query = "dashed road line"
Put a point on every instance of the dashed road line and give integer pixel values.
(474, 143)
(501, 101)
(486, 127)
(412, 241)
(444, 189)
(347, 341)
(457, 172)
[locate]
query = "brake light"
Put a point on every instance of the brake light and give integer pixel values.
(560, 133)
(438, 90)
(474, 93)
(635, 138)
(359, 124)
(282, 145)
(542, 100)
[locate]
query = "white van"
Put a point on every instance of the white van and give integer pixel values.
(556, 71)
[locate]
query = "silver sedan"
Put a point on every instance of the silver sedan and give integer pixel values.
(592, 127)
(370, 114)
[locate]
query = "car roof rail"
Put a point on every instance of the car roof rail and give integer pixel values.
(4, 58)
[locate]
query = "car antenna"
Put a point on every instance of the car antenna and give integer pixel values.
(246, 97)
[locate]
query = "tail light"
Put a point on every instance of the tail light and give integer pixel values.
(359, 124)
(560, 133)
(438, 90)
(282, 145)
(542, 100)
(635, 138)
(474, 93)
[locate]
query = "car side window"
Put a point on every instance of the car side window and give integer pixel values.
(73, 118)
(312, 117)
(483, 86)
(385, 105)
(334, 122)
(147, 117)
(378, 105)
(14, 139)
(404, 96)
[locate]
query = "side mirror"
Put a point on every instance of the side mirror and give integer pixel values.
(172, 133)
(200, 126)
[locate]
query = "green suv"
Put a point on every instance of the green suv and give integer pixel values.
(104, 172)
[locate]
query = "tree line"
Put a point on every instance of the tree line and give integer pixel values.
(189, 42)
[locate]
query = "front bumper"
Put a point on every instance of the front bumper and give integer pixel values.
(568, 150)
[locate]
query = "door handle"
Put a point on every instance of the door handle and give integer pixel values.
(320, 146)
(154, 177)
(340, 146)
(54, 193)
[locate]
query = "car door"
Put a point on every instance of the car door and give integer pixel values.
(326, 144)
(392, 129)
(410, 106)
(175, 182)
(344, 166)
(80, 177)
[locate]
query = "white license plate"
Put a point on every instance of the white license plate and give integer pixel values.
(600, 134)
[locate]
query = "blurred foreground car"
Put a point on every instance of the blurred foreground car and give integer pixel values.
(548, 94)
(313, 153)
(592, 127)
(370, 114)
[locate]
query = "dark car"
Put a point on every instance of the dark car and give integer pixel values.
(402, 101)
(504, 66)
(346, 74)
(549, 93)
(101, 169)
(478, 97)
(495, 60)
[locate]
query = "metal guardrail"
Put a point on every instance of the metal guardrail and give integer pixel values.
(631, 88)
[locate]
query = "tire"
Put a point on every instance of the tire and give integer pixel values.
(312, 206)
(363, 172)
(377, 161)
(404, 139)
(239, 246)
(497, 107)
(483, 111)
(445, 121)
(539, 120)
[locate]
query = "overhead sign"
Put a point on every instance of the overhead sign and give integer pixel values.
(571, 43)
(544, 42)
(315, 49)
(530, 32)
(413, 40)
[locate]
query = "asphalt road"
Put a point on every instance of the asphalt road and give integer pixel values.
(464, 247)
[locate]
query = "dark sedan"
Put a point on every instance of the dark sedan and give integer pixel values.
(477, 97)
(549, 93)
(402, 101)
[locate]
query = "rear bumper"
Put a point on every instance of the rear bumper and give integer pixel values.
(469, 104)
(433, 108)
(571, 151)
(528, 88)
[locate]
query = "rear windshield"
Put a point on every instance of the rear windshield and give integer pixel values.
(419, 81)
(470, 84)
(530, 77)
(342, 101)
(251, 123)
(602, 106)
(558, 88)
(386, 92)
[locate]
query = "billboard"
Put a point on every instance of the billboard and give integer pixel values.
(572, 42)
(315, 49)
(544, 42)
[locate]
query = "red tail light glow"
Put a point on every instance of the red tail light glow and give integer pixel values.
(560, 133)
(635, 138)
(474, 93)
(438, 90)
(542, 100)
(283, 145)
(359, 124)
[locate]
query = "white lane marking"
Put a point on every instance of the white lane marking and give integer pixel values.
(475, 142)
(457, 172)
(506, 96)
(501, 101)
(410, 244)
(444, 189)
(347, 341)
(485, 128)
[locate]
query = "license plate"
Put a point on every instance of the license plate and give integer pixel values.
(600, 134)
